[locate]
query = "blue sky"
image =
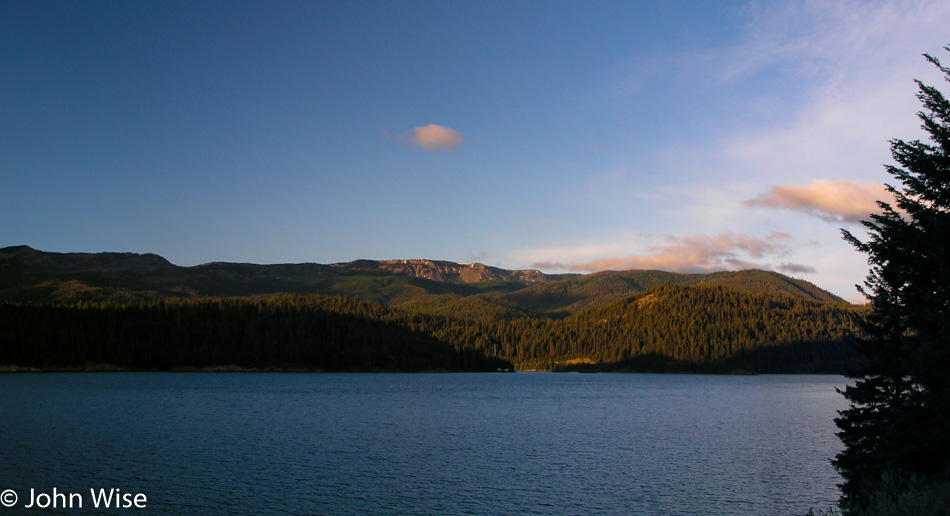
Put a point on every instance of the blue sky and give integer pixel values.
(566, 136)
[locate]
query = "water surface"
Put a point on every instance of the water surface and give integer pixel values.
(525, 443)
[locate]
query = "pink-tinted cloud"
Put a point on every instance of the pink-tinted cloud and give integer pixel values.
(699, 253)
(435, 137)
(833, 201)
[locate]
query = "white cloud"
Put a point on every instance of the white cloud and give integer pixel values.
(856, 61)
(833, 136)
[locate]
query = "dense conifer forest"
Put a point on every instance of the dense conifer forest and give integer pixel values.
(278, 332)
(691, 328)
(667, 328)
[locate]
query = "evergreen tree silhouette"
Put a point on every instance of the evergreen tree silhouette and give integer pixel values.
(898, 419)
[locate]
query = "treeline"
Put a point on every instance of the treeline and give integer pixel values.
(667, 328)
(692, 328)
(277, 331)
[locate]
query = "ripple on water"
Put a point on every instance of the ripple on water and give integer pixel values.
(427, 444)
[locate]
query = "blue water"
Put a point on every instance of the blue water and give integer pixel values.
(524, 443)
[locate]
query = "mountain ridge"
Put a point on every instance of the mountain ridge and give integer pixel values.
(27, 274)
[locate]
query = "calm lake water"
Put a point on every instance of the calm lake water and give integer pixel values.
(524, 443)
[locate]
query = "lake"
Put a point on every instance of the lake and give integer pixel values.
(522, 443)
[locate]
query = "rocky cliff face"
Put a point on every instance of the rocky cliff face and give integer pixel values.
(450, 272)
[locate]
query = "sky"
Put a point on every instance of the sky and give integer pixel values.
(562, 136)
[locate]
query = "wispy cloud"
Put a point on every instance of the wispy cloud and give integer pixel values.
(795, 268)
(435, 137)
(855, 77)
(833, 201)
(480, 257)
(812, 89)
(695, 253)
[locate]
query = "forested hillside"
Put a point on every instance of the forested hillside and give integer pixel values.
(140, 312)
(279, 332)
(668, 328)
(695, 328)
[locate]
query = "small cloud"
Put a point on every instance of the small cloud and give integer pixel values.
(436, 137)
(839, 201)
(480, 257)
(795, 268)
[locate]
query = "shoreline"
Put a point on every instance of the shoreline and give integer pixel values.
(112, 368)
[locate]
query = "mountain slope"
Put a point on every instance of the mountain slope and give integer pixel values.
(575, 294)
(366, 314)
(30, 275)
(711, 328)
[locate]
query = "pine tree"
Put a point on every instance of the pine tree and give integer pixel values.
(898, 420)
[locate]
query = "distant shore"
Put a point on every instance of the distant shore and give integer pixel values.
(112, 368)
